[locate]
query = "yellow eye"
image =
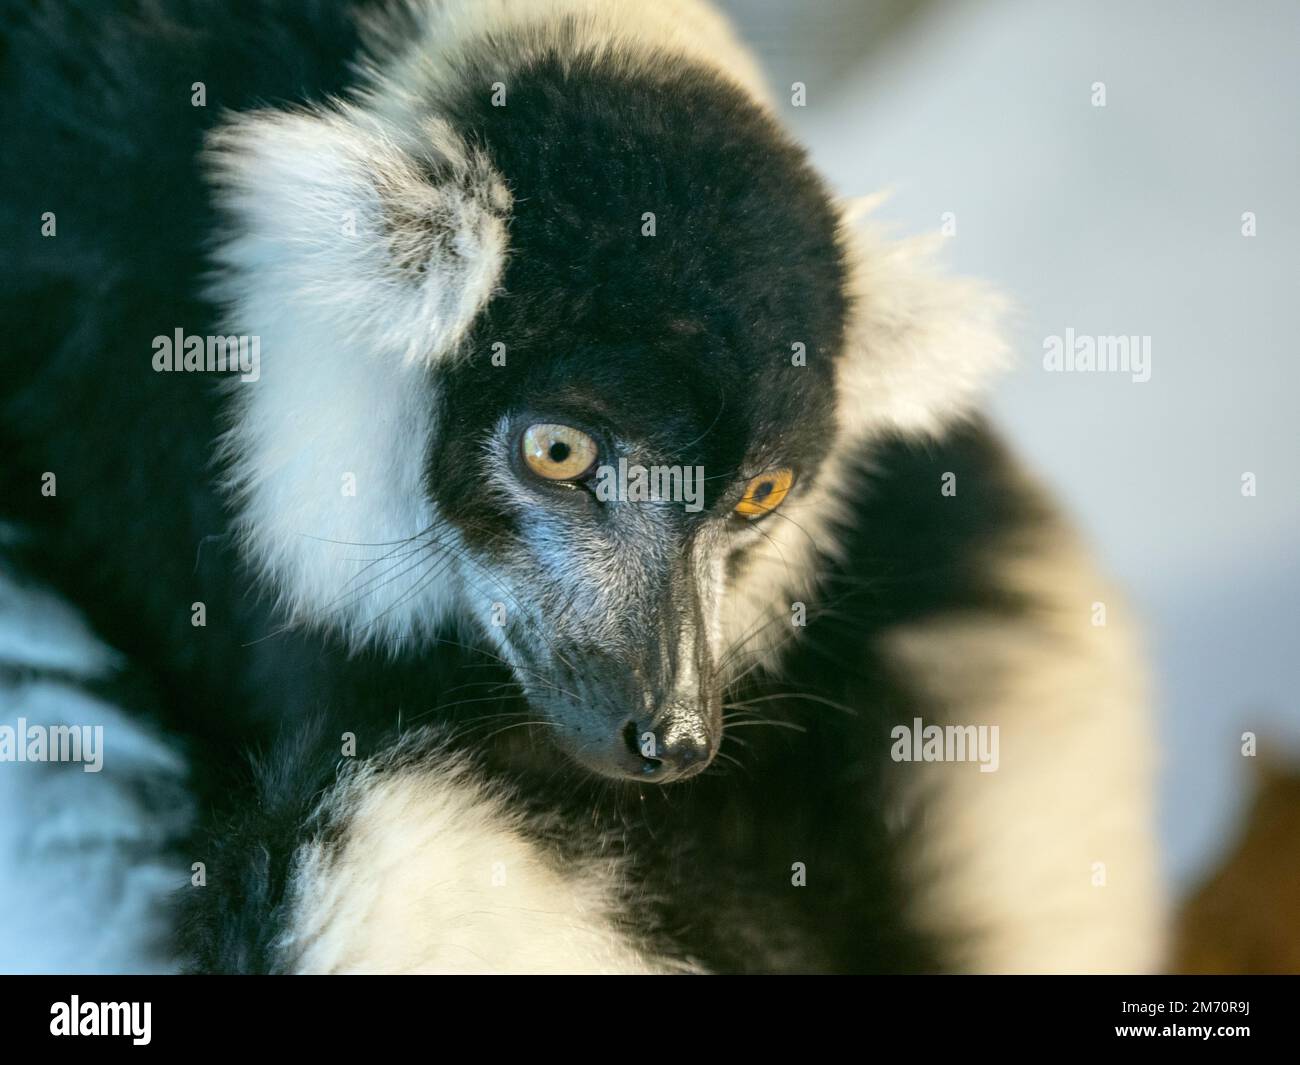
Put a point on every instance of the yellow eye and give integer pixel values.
(764, 493)
(559, 452)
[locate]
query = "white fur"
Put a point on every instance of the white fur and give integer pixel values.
(317, 266)
(434, 876)
(922, 347)
(84, 873)
(1001, 865)
(636, 34)
(38, 630)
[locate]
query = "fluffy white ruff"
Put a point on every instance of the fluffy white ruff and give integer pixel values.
(83, 868)
(433, 875)
(359, 254)
(922, 346)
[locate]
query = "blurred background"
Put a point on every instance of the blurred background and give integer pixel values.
(1122, 219)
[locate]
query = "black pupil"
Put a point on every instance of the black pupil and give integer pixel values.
(762, 491)
(559, 451)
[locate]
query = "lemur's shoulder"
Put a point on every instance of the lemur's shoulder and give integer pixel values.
(980, 605)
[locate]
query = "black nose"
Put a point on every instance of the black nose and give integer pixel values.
(665, 752)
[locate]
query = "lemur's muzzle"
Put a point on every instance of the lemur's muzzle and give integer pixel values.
(626, 728)
(656, 718)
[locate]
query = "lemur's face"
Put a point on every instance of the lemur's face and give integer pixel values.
(638, 410)
(579, 363)
(606, 496)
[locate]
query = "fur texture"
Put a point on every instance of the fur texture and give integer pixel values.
(87, 860)
(359, 263)
(413, 867)
(804, 848)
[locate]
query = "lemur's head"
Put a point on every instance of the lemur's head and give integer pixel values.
(575, 348)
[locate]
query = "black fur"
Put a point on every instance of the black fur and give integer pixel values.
(701, 316)
(99, 129)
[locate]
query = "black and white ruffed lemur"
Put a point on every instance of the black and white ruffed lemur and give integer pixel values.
(381, 662)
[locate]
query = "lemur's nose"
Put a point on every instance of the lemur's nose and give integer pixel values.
(667, 752)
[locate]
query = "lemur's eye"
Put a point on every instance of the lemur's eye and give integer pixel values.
(559, 452)
(764, 493)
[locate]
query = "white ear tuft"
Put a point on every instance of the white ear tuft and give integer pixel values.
(921, 347)
(357, 258)
(394, 241)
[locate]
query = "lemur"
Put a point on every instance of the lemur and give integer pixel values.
(411, 693)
